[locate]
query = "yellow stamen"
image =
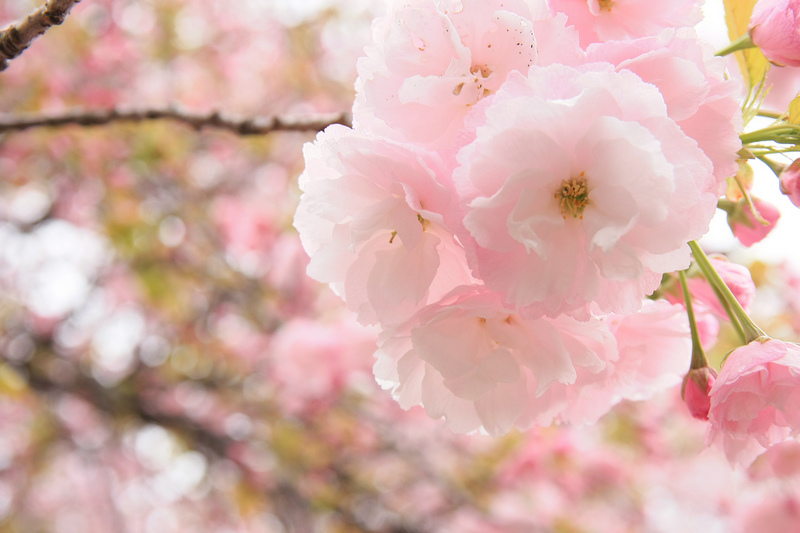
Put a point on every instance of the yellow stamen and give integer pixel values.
(573, 196)
(425, 223)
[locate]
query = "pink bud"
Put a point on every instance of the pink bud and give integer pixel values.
(696, 385)
(746, 227)
(775, 28)
(790, 182)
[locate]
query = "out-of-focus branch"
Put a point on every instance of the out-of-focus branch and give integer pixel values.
(214, 119)
(17, 37)
(292, 506)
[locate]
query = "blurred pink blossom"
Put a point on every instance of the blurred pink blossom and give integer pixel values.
(245, 225)
(781, 461)
(775, 514)
(738, 279)
(784, 85)
(312, 362)
(707, 327)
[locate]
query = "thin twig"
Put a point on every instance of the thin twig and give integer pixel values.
(214, 119)
(17, 37)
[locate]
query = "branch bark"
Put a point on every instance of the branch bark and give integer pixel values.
(237, 125)
(17, 37)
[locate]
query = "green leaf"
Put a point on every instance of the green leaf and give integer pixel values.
(794, 110)
(752, 62)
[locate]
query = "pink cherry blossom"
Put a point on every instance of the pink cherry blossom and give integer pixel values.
(312, 362)
(579, 189)
(618, 20)
(755, 402)
(245, 226)
(783, 84)
(738, 279)
(744, 224)
(775, 514)
(775, 29)
(780, 461)
(699, 94)
(790, 182)
(654, 349)
(477, 364)
(430, 62)
(372, 220)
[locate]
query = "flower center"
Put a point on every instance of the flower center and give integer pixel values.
(573, 197)
(475, 85)
(425, 223)
(605, 5)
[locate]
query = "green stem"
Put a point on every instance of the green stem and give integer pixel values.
(751, 330)
(699, 359)
(741, 43)
(726, 205)
(761, 150)
(737, 326)
(768, 114)
(775, 167)
(749, 200)
(770, 133)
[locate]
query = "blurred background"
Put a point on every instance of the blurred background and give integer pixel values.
(166, 365)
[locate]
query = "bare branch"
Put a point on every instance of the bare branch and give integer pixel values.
(214, 119)
(16, 38)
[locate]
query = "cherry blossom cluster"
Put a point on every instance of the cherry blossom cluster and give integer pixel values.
(519, 181)
(507, 199)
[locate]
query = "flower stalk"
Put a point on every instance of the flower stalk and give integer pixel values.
(751, 331)
(749, 200)
(699, 359)
(780, 133)
(774, 166)
(742, 43)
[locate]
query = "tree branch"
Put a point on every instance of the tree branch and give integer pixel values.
(214, 119)
(16, 38)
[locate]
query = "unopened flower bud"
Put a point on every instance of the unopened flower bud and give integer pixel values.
(744, 224)
(790, 182)
(775, 29)
(694, 391)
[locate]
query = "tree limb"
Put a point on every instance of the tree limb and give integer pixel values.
(16, 38)
(214, 119)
